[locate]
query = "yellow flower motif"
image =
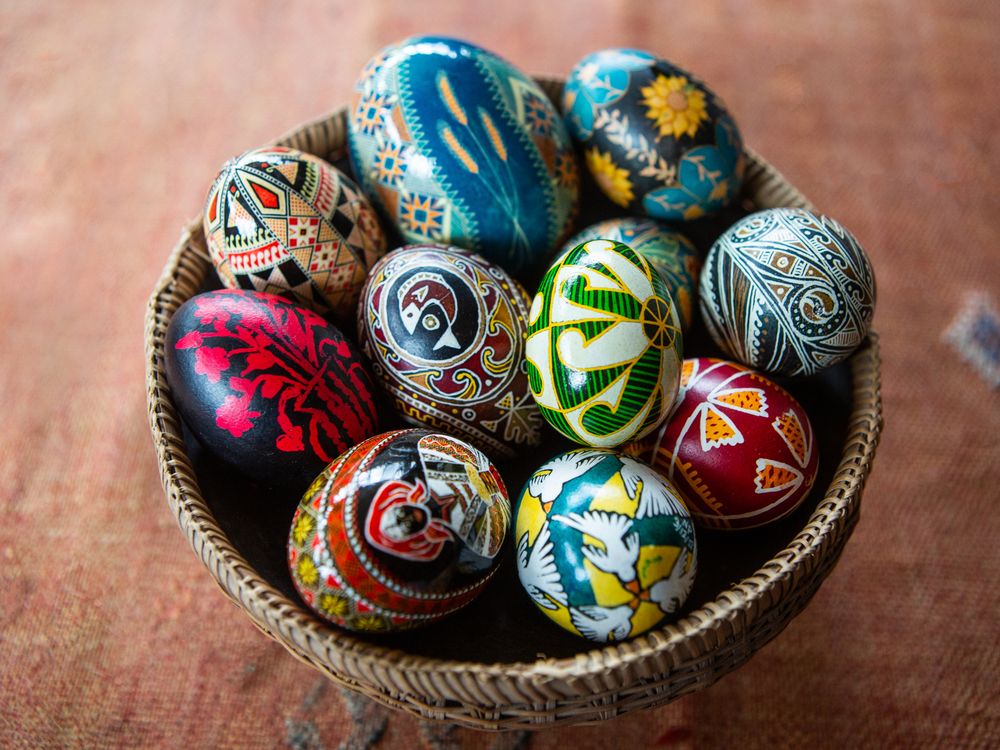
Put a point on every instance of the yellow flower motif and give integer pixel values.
(334, 604)
(371, 623)
(676, 105)
(611, 178)
(303, 528)
(307, 571)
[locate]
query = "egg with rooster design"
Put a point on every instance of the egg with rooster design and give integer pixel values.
(268, 386)
(398, 532)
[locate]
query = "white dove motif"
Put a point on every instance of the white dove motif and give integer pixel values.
(669, 593)
(547, 484)
(538, 571)
(653, 497)
(602, 623)
(620, 552)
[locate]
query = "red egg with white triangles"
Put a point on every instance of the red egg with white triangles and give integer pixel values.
(738, 447)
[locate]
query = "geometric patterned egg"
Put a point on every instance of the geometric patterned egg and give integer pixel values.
(444, 330)
(655, 138)
(399, 531)
(605, 547)
(738, 447)
(268, 386)
(459, 147)
(787, 291)
(285, 222)
(604, 345)
(670, 252)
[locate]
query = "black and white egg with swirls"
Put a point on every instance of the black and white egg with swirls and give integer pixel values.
(788, 291)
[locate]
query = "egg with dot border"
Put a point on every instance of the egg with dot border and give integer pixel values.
(401, 530)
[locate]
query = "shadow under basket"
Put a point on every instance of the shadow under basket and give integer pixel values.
(499, 663)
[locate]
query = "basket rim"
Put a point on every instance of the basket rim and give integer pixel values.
(373, 663)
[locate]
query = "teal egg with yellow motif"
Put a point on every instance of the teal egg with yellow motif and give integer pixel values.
(604, 345)
(605, 546)
(670, 252)
(457, 146)
(655, 138)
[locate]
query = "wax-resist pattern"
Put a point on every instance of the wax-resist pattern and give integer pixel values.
(445, 332)
(655, 138)
(285, 222)
(604, 345)
(605, 547)
(267, 385)
(399, 531)
(738, 447)
(671, 254)
(459, 147)
(788, 291)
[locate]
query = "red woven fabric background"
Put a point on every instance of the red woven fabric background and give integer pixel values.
(116, 116)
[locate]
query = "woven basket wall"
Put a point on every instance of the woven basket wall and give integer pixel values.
(595, 685)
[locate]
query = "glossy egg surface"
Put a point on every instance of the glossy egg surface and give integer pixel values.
(788, 291)
(670, 253)
(605, 548)
(604, 345)
(399, 531)
(738, 447)
(655, 138)
(268, 386)
(459, 147)
(285, 222)
(445, 331)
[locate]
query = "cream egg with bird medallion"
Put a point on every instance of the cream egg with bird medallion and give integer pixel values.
(444, 330)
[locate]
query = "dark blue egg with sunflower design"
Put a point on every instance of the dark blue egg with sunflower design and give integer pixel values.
(655, 138)
(456, 146)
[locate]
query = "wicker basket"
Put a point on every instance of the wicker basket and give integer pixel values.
(595, 683)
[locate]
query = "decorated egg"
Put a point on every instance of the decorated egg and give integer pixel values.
(284, 222)
(605, 547)
(604, 345)
(444, 330)
(399, 531)
(655, 138)
(268, 386)
(787, 291)
(738, 447)
(459, 147)
(671, 254)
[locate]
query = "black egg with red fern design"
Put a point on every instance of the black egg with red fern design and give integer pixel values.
(269, 387)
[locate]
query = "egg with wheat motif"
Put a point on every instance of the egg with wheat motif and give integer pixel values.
(459, 147)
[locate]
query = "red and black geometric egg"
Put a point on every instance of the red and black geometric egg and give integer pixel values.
(268, 386)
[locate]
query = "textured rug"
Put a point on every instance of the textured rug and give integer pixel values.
(116, 118)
